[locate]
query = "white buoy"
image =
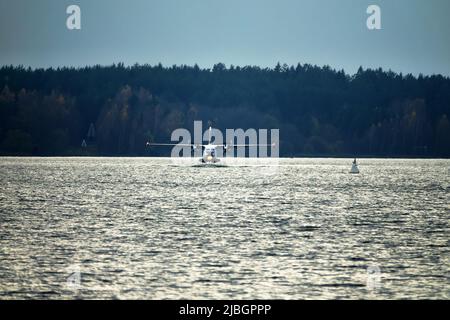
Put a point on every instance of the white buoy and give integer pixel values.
(354, 168)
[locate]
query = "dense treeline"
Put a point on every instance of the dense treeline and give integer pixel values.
(319, 111)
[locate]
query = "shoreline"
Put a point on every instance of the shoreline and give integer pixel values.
(283, 157)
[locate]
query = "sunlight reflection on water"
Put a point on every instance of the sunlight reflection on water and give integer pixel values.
(145, 228)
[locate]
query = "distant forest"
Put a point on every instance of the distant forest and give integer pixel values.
(114, 110)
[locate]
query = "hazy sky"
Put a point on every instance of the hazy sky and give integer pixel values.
(414, 37)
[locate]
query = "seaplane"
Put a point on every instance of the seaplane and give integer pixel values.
(209, 155)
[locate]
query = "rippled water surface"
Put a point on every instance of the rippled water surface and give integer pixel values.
(148, 229)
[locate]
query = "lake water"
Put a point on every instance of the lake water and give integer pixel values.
(146, 228)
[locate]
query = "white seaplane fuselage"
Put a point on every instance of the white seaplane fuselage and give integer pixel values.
(209, 154)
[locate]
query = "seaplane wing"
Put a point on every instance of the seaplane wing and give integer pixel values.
(250, 145)
(225, 146)
(175, 144)
(170, 144)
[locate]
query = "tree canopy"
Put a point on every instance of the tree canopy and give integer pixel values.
(115, 109)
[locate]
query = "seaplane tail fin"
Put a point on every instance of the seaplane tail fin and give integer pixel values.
(209, 135)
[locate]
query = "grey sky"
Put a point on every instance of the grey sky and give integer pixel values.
(414, 37)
